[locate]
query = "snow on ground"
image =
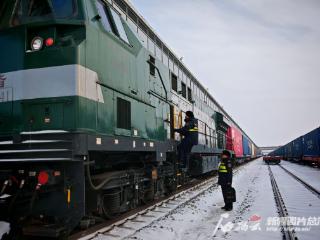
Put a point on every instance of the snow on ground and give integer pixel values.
(4, 228)
(300, 202)
(309, 174)
(198, 219)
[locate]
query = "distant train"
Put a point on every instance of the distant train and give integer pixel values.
(272, 159)
(304, 149)
(89, 98)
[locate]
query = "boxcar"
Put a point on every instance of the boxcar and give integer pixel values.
(297, 149)
(311, 146)
(235, 144)
(246, 147)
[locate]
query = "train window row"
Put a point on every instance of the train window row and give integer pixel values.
(185, 92)
(163, 54)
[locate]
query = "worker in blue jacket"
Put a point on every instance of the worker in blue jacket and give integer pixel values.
(190, 133)
(225, 178)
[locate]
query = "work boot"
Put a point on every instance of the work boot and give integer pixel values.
(224, 207)
(229, 207)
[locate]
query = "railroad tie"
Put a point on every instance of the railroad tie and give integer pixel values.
(111, 235)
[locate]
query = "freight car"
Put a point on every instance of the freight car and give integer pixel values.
(311, 147)
(89, 98)
(272, 159)
(247, 148)
(305, 149)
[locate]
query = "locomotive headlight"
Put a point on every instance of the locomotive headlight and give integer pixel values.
(36, 43)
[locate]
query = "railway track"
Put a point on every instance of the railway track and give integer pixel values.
(130, 224)
(305, 184)
(286, 228)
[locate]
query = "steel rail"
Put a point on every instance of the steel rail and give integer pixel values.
(206, 184)
(168, 203)
(146, 212)
(305, 184)
(286, 228)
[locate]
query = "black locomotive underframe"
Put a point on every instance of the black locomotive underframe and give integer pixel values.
(59, 206)
(124, 172)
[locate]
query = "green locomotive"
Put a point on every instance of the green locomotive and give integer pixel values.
(89, 97)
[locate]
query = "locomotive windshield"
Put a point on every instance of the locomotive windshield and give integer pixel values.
(13, 13)
(57, 8)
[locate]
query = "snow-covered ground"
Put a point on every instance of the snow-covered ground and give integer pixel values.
(254, 216)
(199, 218)
(309, 174)
(300, 203)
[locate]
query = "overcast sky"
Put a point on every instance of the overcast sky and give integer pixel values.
(259, 58)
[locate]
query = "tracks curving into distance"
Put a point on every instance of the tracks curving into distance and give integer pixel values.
(305, 184)
(286, 228)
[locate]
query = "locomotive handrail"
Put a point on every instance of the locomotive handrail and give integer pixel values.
(161, 97)
(116, 90)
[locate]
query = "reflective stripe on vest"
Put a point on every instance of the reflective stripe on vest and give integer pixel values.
(195, 129)
(223, 168)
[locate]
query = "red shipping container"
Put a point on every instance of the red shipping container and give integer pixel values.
(229, 141)
(234, 141)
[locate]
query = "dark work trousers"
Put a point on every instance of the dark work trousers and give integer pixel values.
(184, 150)
(226, 188)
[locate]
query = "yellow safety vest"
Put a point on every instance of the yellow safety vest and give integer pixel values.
(223, 168)
(194, 126)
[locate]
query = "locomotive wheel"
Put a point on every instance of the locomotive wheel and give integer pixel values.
(111, 202)
(148, 194)
(171, 185)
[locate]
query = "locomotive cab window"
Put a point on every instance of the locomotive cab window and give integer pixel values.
(174, 82)
(104, 17)
(5, 8)
(39, 10)
(111, 21)
(58, 8)
(119, 26)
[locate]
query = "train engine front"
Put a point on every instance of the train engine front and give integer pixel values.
(41, 86)
(80, 137)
